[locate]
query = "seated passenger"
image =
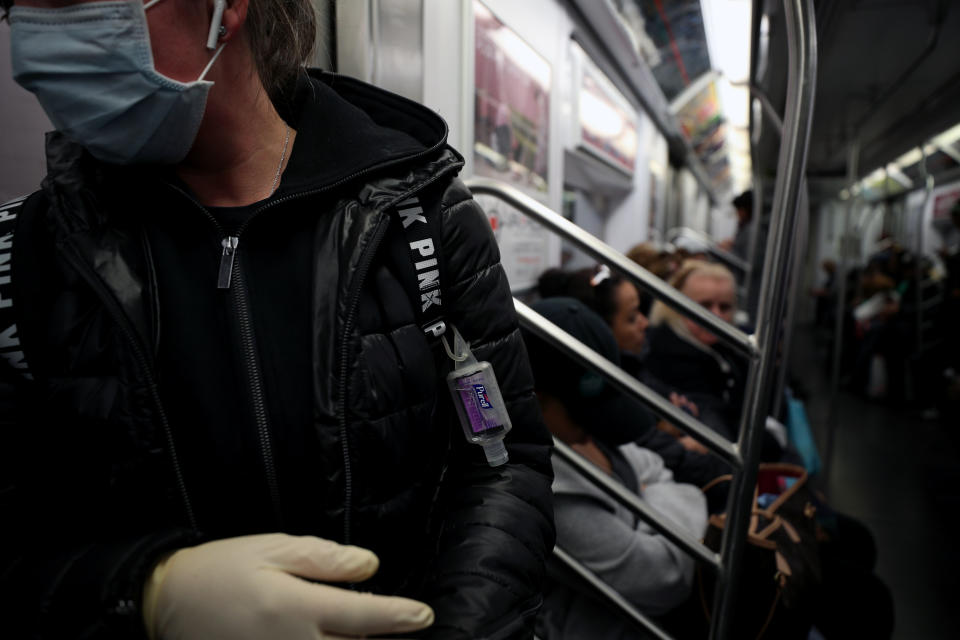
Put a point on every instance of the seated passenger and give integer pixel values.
(689, 358)
(659, 262)
(616, 300)
(611, 296)
(583, 411)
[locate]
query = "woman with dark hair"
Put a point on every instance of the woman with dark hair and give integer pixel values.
(609, 295)
(588, 415)
(224, 419)
(616, 300)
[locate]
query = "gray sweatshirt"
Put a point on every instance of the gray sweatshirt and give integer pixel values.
(643, 566)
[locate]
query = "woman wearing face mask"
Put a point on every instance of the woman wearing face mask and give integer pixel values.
(221, 384)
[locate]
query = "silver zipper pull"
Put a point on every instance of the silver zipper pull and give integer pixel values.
(226, 261)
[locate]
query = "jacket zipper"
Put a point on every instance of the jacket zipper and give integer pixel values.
(225, 275)
(240, 298)
(130, 333)
(354, 300)
(344, 354)
(230, 277)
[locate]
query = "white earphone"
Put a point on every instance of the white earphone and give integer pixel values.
(218, 7)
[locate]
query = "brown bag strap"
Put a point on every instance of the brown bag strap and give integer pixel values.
(710, 485)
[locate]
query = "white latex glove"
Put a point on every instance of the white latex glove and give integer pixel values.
(252, 588)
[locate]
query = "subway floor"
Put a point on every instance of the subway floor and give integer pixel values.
(900, 475)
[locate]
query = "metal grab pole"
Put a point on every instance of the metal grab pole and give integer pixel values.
(752, 282)
(918, 253)
(801, 37)
(757, 214)
(840, 312)
(616, 260)
(801, 235)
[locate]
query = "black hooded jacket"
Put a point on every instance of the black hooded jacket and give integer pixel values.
(158, 411)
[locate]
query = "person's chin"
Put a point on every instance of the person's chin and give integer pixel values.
(637, 349)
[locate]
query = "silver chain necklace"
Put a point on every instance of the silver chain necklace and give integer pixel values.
(283, 156)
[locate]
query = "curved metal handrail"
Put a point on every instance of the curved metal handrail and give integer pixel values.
(765, 102)
(801, 85)
(609, 256)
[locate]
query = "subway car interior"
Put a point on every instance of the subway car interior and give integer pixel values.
(775, 186)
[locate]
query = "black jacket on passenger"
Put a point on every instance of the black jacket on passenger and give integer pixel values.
(714, 379)
(690, 467)
(144, 409)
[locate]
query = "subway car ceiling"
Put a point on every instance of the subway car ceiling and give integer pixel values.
(888, 80)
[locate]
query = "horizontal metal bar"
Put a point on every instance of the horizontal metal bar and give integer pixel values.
(630, 500)
(727, 257)
(609, 256)
(626, 383)
(765, 102)
(610, 594)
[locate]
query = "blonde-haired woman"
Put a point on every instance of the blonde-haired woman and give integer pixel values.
(691, 359)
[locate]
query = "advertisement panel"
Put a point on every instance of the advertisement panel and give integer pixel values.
(524, 244)
(511, 106)
(607, 127)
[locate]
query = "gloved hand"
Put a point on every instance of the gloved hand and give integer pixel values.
(253, 587)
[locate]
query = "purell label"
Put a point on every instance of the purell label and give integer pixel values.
(482, 399)
(476, 403)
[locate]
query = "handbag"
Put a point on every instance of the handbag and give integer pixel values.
(779, 572)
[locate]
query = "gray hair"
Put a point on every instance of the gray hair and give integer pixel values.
(282, 36)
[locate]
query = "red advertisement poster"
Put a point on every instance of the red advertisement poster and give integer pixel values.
(511, 105)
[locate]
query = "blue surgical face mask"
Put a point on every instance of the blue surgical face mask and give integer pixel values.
(91, 68)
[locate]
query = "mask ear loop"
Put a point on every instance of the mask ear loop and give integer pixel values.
(212, 60)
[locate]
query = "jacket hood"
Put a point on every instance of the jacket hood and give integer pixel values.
(346, 127)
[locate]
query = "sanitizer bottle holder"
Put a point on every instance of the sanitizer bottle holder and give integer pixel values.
(479, 403)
